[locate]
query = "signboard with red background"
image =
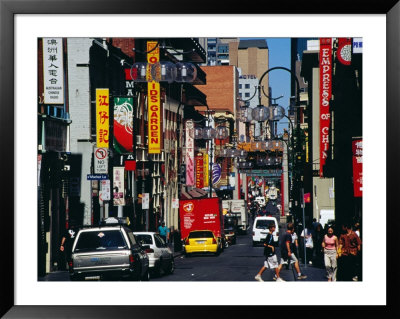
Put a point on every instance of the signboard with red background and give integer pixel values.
(357, 167)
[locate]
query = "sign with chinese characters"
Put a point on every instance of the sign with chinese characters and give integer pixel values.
(101, 161)
(205, 170)
(105, 192)
(175, 203)
(102, 117)
(325, 74)
(123, 125)
(153, 102)
(199, 170)
(53, 71)
(189, 157)
(118, 186)
(357, 167)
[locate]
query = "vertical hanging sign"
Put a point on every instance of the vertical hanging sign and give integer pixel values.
(153, 101)
(189, 157)
(325, 74)
(102, 117)
(357, 167)
(199, 170)
(123, 125)
(53, 71)
(118, 186)
(205, 172)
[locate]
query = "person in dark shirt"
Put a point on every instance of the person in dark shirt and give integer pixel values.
(271, 261)
(66, 244)
(287, 251)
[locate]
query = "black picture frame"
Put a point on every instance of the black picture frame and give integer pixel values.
(8, 10)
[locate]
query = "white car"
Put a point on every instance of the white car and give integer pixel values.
(260, 229)
(160, 255)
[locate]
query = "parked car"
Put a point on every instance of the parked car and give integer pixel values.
(108, 252)
(202, 241)
(160, 255)
(260, 229)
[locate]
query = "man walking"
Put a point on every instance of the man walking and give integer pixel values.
(271, 261)
(287, 251)
(163, 231)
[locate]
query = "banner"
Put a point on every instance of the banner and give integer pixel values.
(344, 51)
(199, 171)
(206, 169)
(53, 71)
(325, 90)
(118, 186)
(307, 198)
(153, 102)
(123, 125)
(102, 117)
(189, 157)
(357, 167)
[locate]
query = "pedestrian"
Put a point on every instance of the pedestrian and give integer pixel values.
(163, 231)
(287, 251)
(318, 240)
(330, 246)
(349, 247)
(67, 241)
(271, 260)
(358, 275)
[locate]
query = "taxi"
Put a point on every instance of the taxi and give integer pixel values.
(201, 241)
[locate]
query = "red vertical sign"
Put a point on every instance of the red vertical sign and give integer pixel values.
(325, 91)
(357, 167)
(199, 171)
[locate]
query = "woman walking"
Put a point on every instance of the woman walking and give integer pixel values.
(330, 245)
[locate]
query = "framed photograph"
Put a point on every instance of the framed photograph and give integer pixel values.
(22, 23)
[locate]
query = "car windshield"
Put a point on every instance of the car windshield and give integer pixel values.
(263, 223)
(201, 234)
(144, 239)
(100, 240)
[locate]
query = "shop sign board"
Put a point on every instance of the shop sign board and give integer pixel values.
(53, 71)
(145, 201)
(119, 186)
(102, 117)
(105, 190)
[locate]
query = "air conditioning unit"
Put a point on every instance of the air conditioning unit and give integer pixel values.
(138, 140)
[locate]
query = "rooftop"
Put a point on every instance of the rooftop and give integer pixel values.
(258, 43)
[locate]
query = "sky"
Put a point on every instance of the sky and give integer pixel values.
(279, 80)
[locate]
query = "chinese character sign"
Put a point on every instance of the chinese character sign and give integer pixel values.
(357, 167)
(153, 102)
(118, 186)
(53, 71)
(123, 124)
(325, 89)
(189, 157)
(199, 171)
(102, 117)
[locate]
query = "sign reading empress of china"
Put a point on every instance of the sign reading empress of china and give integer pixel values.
(53, 71)
(325, 89)
(153, 101)
(102, 117)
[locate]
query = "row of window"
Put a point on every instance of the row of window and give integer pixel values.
(246, 86)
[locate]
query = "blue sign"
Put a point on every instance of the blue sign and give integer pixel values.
(216, 173)
(96, 177)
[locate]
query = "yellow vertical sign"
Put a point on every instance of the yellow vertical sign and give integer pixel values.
(205, 171)
(153, 102)
(102, 117)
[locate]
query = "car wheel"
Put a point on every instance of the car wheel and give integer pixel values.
(171, 267)
(157, 268)
(146, 276)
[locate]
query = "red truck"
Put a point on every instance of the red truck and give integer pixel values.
(202, 214)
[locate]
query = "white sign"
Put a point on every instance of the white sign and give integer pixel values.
(145, 201)
(105, 190)
(100, 160)
(175, 203)
(53, 71)
(357, 45)
(119, 186)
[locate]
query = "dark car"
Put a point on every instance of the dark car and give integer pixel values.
(109, 252)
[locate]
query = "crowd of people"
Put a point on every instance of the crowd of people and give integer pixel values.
(339, 254)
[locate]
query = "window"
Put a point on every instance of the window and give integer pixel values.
(247, 94)
(247, 86)
(201, 234)
(240, 86)
(100, 240)
(159, 241)
(144, 239)
(240, 94)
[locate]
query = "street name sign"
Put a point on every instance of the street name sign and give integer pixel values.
(96, 177)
